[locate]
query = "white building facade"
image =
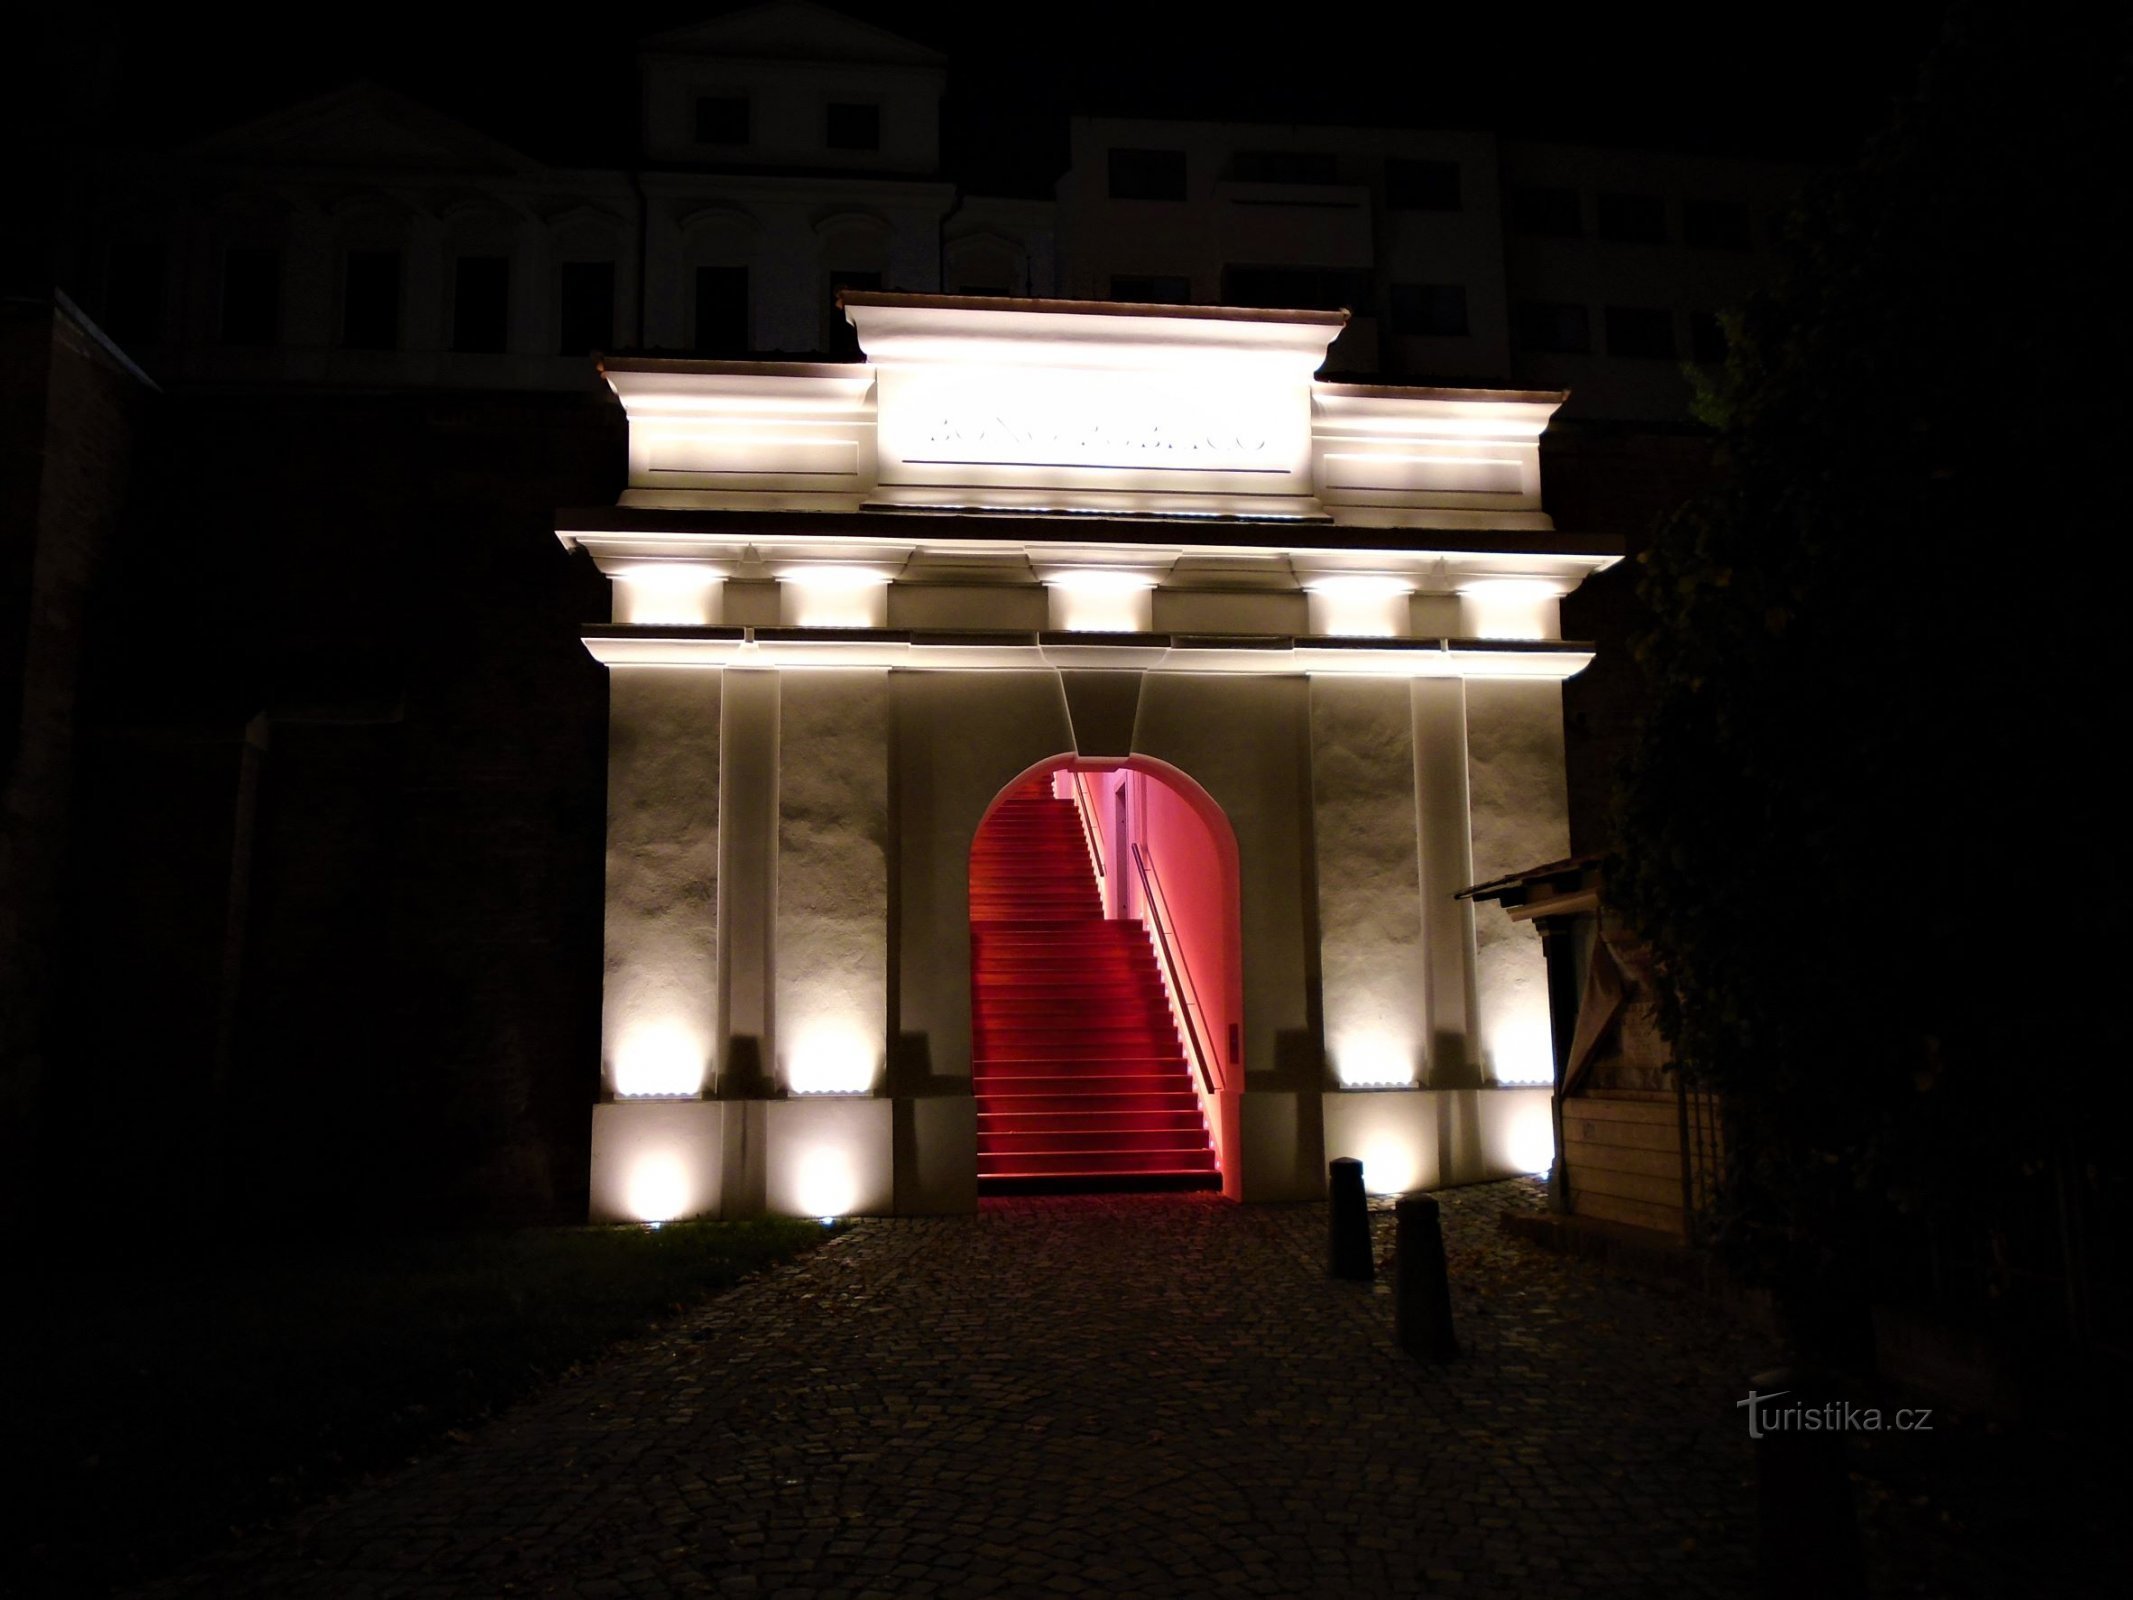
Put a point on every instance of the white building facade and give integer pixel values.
(856, 604)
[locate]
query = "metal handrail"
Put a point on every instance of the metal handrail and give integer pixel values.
(1182, 992)
(1085, 808)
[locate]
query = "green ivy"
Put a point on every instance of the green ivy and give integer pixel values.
(1877, 715)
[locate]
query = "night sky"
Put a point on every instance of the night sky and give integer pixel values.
(1806, 80)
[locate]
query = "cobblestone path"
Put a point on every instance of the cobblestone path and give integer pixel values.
(1103, 1395)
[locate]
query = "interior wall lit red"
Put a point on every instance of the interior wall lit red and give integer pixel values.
(1144, 813)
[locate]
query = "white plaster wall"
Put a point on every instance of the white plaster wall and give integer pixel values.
(748, 813)
(1246, 740)
(1371, 967)
(828, 1158)
(832, 942)
(660, 1003)
(955, 605)
(1519, 809)
(1439, 1138)
(656, 1160)
(1439, 708)
(1515, 1130)
(1393, 1132)
(936, 1147)
(960, 738)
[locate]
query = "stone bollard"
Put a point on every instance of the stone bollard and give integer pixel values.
(1806, 1532)
(1422, 1292)
(1348, 1232)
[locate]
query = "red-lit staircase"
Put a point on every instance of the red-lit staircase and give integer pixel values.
(1080, 1078)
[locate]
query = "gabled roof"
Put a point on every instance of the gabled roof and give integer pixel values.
(365, 126)
(793, 30)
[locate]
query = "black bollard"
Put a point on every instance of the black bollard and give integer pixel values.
(1422, 1291)
(1806, 1532)
(1348, 1231)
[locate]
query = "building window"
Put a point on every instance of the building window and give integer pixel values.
(481, 304)
(721, 119)
(1147, 174)
(1296, 288)
(1284, 166)
(853, 127)
(1422, 185)
(1151, 289)
(1642, 331)
(1431, 310)
(1633, 218)
(251, 295)
(370, 300)
(722, 311)
(586, 306)
(1715, 224)
(1551, 213)
(1707, 339)
(843, 340)
(1552, 326)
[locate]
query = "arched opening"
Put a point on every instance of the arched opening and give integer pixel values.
(1106, 980)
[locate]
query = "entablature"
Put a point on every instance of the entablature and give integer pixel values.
(1072, 407)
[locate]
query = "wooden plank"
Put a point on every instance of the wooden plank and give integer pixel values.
(1628, 1135)
(1597, 1110)
(1632, 1096)
(1609, 1208)
(1623, 1158)
(1659, 1191)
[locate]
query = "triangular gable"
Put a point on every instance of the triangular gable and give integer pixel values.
(794, 30)
(365, 125)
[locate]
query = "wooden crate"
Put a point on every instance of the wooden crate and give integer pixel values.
(1623, 1152)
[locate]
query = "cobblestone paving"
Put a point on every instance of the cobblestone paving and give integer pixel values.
(1097, 1395)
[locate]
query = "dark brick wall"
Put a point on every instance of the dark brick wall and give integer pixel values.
(375, 920)
(71, 414)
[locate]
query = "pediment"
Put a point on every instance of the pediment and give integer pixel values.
(794, 30)
(368, 127)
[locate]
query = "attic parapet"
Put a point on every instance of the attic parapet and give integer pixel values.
(1047, 407)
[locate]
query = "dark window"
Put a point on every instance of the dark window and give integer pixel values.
(1640, 331)
(854, 127)
(1152, 289)
(1707, 338)
(133, 294)
(721, 119)
(843, 340)
(1422, 185)
(1147, 174)
(722, 311)
(1715, 224)
(1284, 166)
(1633, 218)
(1554, 326)
(1436, 310)
(586, 306)
(1550, 212)
(1295, 288)
(251, 295)
(984, 291)
(481, 304)
(370, 300)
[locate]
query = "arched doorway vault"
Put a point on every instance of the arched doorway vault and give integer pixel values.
(1106, 980)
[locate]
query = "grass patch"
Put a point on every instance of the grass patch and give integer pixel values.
(158, 1411)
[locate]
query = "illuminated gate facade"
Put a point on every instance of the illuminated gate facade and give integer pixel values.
(853, 603)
